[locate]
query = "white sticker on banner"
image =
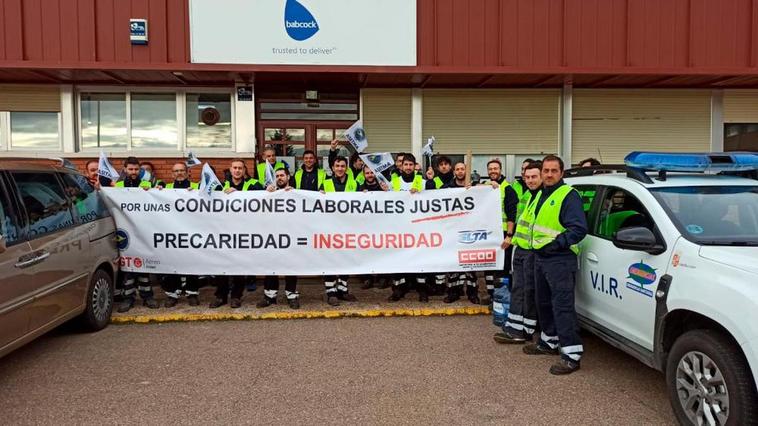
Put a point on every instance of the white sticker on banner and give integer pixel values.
(260, 232)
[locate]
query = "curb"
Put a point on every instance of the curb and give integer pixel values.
(357, 313)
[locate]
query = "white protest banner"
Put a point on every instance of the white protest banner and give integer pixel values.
(357, 136)
(105, 169)
(260, 232)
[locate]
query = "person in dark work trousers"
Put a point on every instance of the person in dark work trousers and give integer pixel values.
(309, 176)
(336, 286)
(132, 180)
(557, 224)
(509, 206)
(174, 285)
(457, 280)
(237, 283)
(408, 180)
(271, 282)
(438, 180)
(370, 184)
(521, 322)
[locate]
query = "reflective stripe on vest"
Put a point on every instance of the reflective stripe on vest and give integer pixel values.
(417, 184)
(320, 176)
(522, 237)
(350, 185)
(546, 226)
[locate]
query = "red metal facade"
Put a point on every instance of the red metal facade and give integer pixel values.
(483, 43)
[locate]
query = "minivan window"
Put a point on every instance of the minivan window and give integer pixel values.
(9, 228)
(88, 206)
(46, 205)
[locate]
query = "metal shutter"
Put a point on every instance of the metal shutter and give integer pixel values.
(30, 98)
(740, 106)
(608, 124)
(387, 119)
(493, 121)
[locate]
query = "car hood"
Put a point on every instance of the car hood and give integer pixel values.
(745, 258)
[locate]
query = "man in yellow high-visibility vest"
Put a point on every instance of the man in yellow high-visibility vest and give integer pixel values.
(557, 224)
(521, 321)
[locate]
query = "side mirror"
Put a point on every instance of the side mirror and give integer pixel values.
(638, 238)
(2, 244)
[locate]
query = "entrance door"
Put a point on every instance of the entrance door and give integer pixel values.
(292, 138)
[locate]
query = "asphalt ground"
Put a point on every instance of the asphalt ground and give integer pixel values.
(434, 370)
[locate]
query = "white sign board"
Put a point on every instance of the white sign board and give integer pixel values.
(304, 32)
(261, 232)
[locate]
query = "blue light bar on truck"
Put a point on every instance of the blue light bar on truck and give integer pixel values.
(713, 162)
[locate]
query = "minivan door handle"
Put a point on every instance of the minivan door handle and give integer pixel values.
(592, 257)
(32, 259)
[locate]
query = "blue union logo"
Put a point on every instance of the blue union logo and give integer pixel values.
(298, 21)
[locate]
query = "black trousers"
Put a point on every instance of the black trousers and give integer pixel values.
(403, 283)
(522, 315)
(136, 282)
(271, 287)
(335, 284)
(174, 285)
(555, 280)
(235, 283)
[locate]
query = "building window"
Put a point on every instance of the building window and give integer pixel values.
(209, 120)
(154, 121)
(741, 137)
(103, 120)
(35, 130)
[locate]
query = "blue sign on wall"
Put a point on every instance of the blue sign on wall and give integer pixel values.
(138, 31)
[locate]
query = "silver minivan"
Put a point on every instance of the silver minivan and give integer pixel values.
(58, 256)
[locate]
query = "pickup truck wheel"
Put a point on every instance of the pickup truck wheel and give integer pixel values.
(709, 382)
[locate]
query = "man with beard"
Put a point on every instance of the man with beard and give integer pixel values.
(443, 176)
(460, 279)
(355, 171)
(509, 205)
(522, 315)
(271, 282)
(408, 180)
(370, 184)
(336, 286)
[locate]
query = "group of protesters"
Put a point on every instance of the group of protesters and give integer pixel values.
(542, 217)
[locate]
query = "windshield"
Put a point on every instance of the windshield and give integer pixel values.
(713, 215)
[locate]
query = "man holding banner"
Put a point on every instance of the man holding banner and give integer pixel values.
(271, 282)
(237, 283)
(145, 289)
(443, 177)
(336, 286)
(408, 180)
(458, 280)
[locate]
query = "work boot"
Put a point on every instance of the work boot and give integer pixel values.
(193, 300)
(473, 294)
(151, 303)
(486, 300)
(332, 300)
(437, 290)
(396, 295)
(347, 297)
(452, 295)
(126, 305)
(170, 302)
(537, 349)
(265, 303)
(423, 297)
(508, 338)
(216, 303)
(294, 303)
(235, 303)
(563, 367)
(367, 284)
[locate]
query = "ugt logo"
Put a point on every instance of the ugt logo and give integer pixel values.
(298, 21)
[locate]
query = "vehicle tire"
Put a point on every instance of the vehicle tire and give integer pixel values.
(97, 313)
(709, 381)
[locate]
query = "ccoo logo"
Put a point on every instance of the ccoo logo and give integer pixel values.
(298, 21)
